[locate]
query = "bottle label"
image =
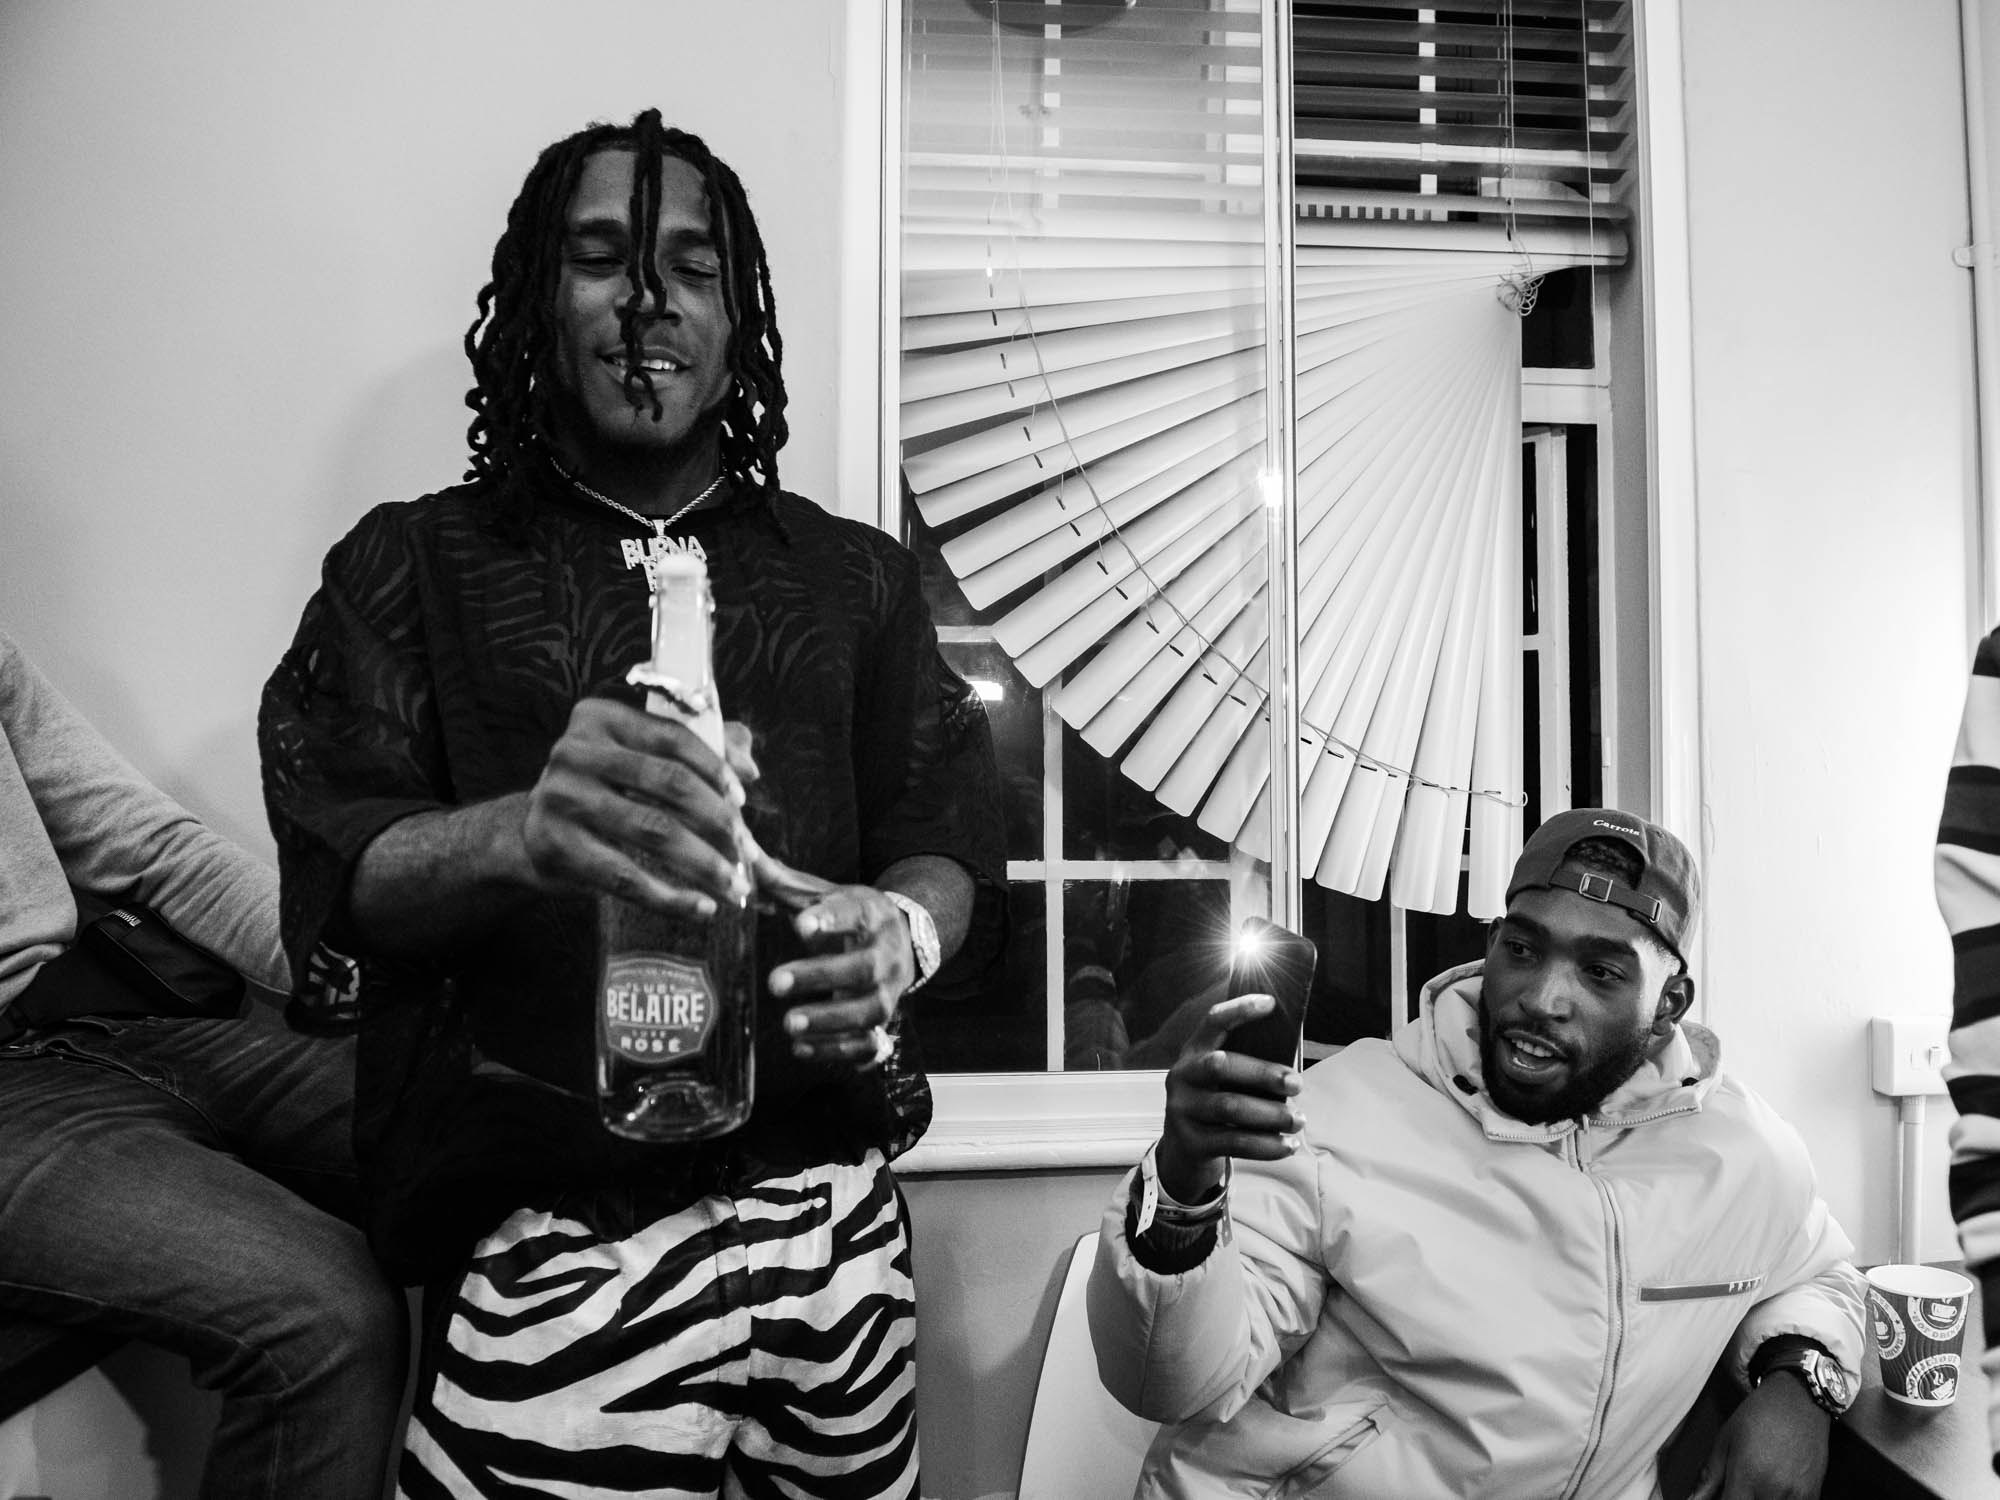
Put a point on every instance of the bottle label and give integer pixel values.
(657, 1008)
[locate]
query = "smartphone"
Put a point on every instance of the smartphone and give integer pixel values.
(1269, 960)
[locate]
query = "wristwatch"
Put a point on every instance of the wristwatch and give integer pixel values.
(1168, 1224)
(1824, 1380)
(924, 944)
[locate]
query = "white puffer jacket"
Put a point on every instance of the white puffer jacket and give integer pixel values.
(1435, 1299)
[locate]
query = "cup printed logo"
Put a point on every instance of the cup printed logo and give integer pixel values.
(1890, 1335)
(1939, 1318)
(657, 1009)
(1933, 1380)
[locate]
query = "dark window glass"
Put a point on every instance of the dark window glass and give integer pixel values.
(1350, 995)
(1438, 943)
(1107, 815)
(1531, 552)
(1014, 710)
(1143, 960)
(994, 1022)
(1586, 697)
(1559, 334)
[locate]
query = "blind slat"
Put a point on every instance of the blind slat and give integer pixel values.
(1314, 38)
(1002, 316)
(1175, 340)
(1032, 387)
(1441, 141)
(1596, 72)
(1145, 615)
(1060, 525)
(1323, 101)
(1143, 661)
(1335, 203)
(1093, 423)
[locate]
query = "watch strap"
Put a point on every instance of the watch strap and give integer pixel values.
(1167, 1236)
(1809, 1362)
(924, 946)
(1772, 1349)
(1156, 1205)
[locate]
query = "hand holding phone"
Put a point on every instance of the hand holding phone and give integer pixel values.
(1230, 1092)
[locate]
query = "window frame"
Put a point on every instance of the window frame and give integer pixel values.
(1053, 1120)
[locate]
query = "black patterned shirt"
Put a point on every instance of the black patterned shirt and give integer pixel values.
(437, 666)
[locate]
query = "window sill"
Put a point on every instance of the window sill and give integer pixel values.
(1011, 1122)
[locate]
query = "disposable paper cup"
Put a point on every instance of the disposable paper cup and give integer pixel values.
(1918, 1313)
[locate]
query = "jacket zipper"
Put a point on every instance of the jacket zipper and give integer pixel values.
(1615, 1342)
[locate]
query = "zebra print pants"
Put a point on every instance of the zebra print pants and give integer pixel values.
(761, 1345)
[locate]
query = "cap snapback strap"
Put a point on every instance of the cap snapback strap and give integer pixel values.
(1595, 887)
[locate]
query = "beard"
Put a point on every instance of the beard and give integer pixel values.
(1591, 1079)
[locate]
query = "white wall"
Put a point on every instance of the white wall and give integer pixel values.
(990, 1253)
(239, 250)
(1832, 367)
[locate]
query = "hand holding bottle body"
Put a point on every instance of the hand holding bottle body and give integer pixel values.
(639, 807)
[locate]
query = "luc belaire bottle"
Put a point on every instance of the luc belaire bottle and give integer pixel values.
(677, 995)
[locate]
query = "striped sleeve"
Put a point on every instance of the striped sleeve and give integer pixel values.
(1968, 893)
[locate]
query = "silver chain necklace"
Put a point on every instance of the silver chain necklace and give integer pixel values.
(634, 557)
(659, 526)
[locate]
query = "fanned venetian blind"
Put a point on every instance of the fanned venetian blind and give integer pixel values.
(1083, 423)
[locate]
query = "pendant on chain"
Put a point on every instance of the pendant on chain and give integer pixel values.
(641, 554)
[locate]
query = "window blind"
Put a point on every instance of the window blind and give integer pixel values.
(1082, 417)
(1483, 111)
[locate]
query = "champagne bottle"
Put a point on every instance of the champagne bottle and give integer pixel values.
(677, 995)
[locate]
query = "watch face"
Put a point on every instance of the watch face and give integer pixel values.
(1829, 1378)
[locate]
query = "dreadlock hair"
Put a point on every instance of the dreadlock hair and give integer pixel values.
(512, 342)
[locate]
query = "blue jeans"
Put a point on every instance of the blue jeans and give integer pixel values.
(154, 1181)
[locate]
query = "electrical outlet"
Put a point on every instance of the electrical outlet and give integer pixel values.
(1907, 1054)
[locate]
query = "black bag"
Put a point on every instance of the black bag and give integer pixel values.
(175, 976)
(127, 961)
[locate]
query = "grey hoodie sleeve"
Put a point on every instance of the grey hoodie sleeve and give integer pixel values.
(114, 833)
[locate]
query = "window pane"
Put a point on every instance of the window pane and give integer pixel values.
(1586, 696)
(995, 1022)
(1107, 816)
(1014, 710)
(1437, 943)
(1081, 420)
(1146, 959)
(1350, 996)
(1560, 333)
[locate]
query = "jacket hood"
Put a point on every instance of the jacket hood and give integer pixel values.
(1442, 1047)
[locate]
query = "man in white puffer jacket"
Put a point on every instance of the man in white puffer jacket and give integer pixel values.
(1498, 1256)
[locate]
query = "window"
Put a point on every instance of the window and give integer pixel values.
(1082, 432)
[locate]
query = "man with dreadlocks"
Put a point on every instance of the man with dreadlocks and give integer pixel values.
(455, 771)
